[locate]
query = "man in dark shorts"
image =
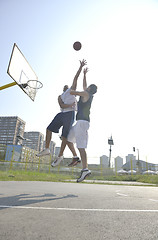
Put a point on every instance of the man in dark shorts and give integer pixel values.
(63, 119)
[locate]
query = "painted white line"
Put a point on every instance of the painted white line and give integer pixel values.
(121, 194)
(154, 200)
(81, 209)
(117, 191)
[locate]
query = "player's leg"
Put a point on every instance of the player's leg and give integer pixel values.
(66, 131)
(48, 138)
(72, 148)
(82, 141)
(67, 121)
(75, 159)
(71, 139)
(85, 172)
(54, 126)
(63, 145)
(83, 155)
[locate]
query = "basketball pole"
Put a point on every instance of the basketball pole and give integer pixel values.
(8, 85)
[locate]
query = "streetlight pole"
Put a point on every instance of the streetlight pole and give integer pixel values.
(110, 142)
(139, 170)
(138, 162)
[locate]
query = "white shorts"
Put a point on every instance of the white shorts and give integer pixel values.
(79, 134)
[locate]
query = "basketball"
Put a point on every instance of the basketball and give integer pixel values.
(77, 46)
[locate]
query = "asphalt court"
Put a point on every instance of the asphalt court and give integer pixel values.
(47, 210)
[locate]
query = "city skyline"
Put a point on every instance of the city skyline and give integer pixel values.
(16, 135)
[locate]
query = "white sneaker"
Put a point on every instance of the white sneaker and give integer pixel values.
(84, 174)
(57, 161)
(43, 153)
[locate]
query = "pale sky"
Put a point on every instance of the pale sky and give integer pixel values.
(120, 43)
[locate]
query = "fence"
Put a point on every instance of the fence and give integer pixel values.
(13, 157)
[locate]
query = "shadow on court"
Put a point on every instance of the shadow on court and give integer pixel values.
(26, 199)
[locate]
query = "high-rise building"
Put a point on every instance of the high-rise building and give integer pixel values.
(34, 140)
(11, 130)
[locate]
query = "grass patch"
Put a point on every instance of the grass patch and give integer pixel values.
(130, 178)
(32, 176)
(21, 175)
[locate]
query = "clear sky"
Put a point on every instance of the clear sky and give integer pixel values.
(120, 43)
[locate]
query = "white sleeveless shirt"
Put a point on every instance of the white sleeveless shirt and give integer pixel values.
(67, 98)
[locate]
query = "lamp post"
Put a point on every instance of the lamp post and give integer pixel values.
(110, 142)
(138, 162)
(19, 137)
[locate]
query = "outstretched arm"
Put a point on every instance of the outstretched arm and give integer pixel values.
(83, 94)
(74, 84)
(84, 79)
(63, 105)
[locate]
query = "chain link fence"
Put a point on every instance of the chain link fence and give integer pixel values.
(13, 157)
(17, 157)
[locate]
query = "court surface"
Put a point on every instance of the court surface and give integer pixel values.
(48, 210)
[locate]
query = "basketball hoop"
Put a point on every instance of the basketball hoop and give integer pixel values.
(35, 84)
(22, 73)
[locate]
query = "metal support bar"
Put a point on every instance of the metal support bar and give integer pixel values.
(8, 85)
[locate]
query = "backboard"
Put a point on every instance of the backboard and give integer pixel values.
(21, 72)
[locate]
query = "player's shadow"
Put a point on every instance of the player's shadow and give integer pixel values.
(27, 199)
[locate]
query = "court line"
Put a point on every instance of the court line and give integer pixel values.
(121, 194)
(81, 209)
(154, 200)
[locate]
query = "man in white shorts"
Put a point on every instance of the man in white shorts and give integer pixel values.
(79, 132)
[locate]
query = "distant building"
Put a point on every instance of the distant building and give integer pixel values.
(11, 130)
(130, 157)
(20, 153)
(13, 152)
(34, 140)
(104, 161)
(139, 166)
(118, 163)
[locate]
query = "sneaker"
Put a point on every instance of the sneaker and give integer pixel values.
(84, 174)
(74, 162)
(43, 153)
(57, 161)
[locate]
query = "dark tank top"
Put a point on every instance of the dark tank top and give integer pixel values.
(83, 112)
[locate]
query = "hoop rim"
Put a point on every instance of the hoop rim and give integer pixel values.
(40, 84)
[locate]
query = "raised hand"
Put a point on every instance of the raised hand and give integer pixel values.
(83, 63)
(85, 70)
